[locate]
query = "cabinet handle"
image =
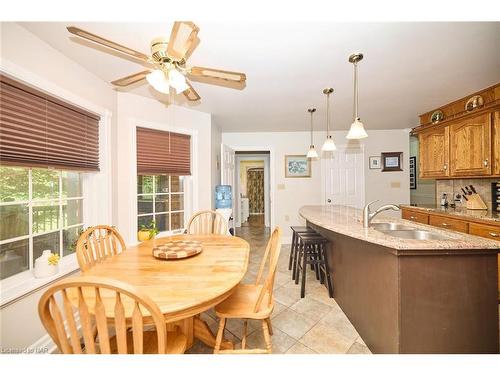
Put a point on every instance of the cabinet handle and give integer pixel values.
(413, 217)
(445, 225)
(445, 167)
(486, 163)
(494, 234)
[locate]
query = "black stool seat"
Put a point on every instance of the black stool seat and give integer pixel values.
(312, 250)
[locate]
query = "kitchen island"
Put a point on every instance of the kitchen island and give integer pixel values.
(409, 295)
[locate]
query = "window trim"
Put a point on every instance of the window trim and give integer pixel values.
(14, 290)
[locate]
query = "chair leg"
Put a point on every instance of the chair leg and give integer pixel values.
(328, 275)
(292, 251)
(296, 256)
(267, 337)
(304, 268)
(244, 338)
(220, 335)
(297, 264)
(269, 325)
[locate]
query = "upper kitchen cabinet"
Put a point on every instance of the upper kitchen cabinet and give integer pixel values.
(434, 153)
(462, 138)
(470, 147)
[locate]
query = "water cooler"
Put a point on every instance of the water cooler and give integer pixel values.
(224, 204)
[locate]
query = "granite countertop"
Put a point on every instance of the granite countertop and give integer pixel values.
(484, 215)
(348, 221)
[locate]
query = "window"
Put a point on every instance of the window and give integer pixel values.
(40, 209)
(160, 198)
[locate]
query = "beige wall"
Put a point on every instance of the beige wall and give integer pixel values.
(292, 193)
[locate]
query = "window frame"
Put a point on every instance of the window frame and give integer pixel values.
(31, 203)
(170, 211)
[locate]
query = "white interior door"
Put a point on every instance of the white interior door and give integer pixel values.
(228, 170)
(344, 177)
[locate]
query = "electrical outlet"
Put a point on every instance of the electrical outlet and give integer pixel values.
(395, 184)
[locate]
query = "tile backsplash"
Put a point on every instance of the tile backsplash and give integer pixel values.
(453, 187)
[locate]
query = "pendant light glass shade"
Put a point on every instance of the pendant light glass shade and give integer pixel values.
(357, 130)
(329, 145)
(312, 154)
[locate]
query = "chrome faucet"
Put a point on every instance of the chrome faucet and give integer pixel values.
(368, 216)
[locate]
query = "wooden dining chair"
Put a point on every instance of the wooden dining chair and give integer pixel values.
(252, 301)
(96, 244)
(207, 222)
(119, 311)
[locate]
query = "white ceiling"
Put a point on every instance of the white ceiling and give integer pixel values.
(408, 69)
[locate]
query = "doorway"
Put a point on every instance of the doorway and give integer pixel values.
(252, 191)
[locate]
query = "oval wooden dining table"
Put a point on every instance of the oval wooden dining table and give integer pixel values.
(182, 288)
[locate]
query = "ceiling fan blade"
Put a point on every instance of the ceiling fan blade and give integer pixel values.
(218, 74)
(191, 94)
(108, 43)
(182, 39)
(133, 78)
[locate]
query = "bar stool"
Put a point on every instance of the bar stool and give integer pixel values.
(294, 248)
(312, 250)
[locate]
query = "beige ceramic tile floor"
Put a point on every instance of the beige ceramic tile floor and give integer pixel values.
(314, 324)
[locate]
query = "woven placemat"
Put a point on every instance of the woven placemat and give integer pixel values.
(177, 249)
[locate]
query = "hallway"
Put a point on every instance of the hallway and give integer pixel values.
(314, 324)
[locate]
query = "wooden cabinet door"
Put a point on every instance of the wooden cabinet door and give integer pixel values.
(447, 223)
(418, 217)
(470, 147)
(434, 153)
(496, 144)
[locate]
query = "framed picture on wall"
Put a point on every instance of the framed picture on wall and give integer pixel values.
(392, 161)
(375, 162)
(297, 166)
(413, 172)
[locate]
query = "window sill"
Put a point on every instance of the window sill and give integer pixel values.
(18, 286)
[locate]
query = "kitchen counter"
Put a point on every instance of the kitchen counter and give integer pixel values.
(461, 212)
(348, 221)
(411, 296)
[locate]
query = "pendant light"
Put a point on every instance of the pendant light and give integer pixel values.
(357, 130)
(329, 145)
(312, 154)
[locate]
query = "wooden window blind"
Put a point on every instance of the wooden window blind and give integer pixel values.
(38, 130)
(162, 152)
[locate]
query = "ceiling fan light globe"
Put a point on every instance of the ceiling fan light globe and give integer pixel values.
(312, 154)
(329, 145)
(177, 81)
(357, 130)
(158, 80)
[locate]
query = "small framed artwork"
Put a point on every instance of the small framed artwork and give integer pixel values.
(375, 162)
(392, 161)
(297, 166)
(413, 172)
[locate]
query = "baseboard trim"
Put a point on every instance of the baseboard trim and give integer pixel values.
(43, 342)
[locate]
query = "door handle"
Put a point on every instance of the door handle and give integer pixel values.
(329, 200)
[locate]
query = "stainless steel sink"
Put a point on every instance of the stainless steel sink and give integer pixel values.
(390, 226)
(415, 234)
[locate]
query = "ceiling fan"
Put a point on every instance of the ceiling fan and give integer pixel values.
(168, 61)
